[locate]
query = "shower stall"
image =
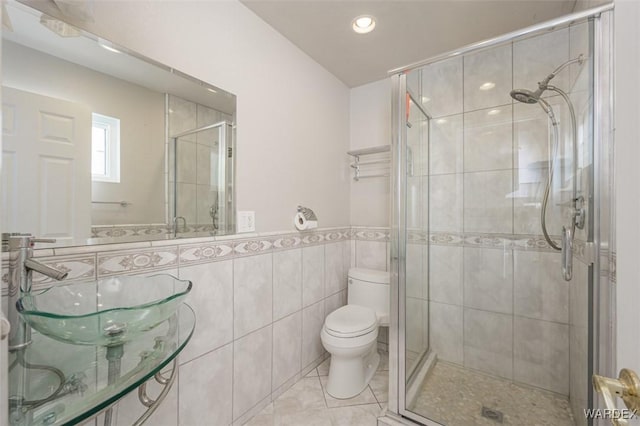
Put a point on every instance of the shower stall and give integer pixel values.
(501, 231)
(200, 168)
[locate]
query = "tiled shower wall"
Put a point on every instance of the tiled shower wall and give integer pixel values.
(497, 300)
(260, 303)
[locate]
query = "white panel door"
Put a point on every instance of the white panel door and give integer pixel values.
(46, 148)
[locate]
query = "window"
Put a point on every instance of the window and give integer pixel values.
(105, 148)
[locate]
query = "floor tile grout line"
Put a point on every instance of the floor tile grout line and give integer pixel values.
(324, 396)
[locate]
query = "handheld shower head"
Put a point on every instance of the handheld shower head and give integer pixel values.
(526, 96)
(529, 97)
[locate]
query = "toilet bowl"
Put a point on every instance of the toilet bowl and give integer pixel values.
(350, 333)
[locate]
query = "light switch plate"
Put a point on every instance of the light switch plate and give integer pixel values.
(246, 221)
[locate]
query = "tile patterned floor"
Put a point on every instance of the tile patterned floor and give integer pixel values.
(308, 403)
(454, 396)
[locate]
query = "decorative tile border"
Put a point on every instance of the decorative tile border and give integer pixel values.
(497, 241)
(370, 234)
(137, 261)
(117, 231)
(90, 262)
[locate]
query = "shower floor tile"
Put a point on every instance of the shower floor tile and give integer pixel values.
(455, 396)
(308, 403)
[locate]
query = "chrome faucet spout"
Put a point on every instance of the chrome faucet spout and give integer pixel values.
(49, 271)
(21, 267)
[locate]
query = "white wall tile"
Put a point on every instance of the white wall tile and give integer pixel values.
(287, 347)
(537, 57)
(252, 293)
(287, 282)
(182, 116)
(251, 370)
(414, 275)
(578, 45)
(207, 396)
(442, 87)
(484, 69)
(445, 202)
(212, 301)
(414, 202)
(312, 274)
(335, 301)
(371, 255)
(488, 279)
(540, 290)
(445, 145)
(488, 203)
(541, 354)
(312, 322)
(446, 331)
(186, 202)
(426, 321)
(186, 167)
(445, 274)
(488, 342)
(204, 173)
(488, 139)
(414, 325)
(335, 274)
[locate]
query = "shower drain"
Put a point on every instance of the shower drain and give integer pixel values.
(492, 414)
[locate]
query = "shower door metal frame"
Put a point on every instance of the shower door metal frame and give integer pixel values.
(601, 352)
(226, 169)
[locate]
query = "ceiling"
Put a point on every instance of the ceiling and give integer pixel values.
(406, 31)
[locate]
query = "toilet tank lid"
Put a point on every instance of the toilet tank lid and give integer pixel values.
(369, 275)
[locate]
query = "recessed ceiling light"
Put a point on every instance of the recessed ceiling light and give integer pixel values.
(488, 85)
(364, 24)
(425, 99)
(212, 90)
(494, 112)
(441, 120)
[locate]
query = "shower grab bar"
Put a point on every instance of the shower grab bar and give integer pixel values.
(122, 203)
(567, 253)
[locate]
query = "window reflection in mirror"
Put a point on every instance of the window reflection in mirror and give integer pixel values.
(89, 140)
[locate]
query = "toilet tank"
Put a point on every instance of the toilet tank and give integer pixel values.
(370, 288)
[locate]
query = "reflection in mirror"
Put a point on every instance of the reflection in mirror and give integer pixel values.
(100, 142)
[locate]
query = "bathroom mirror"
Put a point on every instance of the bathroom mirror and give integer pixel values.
(100, 143)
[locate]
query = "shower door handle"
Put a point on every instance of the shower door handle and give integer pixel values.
(567, 254)
(626, 387)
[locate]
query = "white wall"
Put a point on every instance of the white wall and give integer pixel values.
(293, 115)
(627, 132)
(142, 133)
(370, 126)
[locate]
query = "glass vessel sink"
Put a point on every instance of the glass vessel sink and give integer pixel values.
(106, 312)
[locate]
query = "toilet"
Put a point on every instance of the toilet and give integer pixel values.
(350, 333)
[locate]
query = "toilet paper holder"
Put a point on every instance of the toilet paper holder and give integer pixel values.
(307, 213)
(305, 219)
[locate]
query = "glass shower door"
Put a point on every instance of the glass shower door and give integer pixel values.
(417, 220)
(202, 190)
(489, 328)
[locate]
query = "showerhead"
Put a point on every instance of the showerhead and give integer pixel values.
(526, 96)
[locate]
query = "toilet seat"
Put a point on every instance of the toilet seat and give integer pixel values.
(351, 321)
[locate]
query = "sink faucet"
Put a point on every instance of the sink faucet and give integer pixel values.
(21, 267)
(175, 224)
